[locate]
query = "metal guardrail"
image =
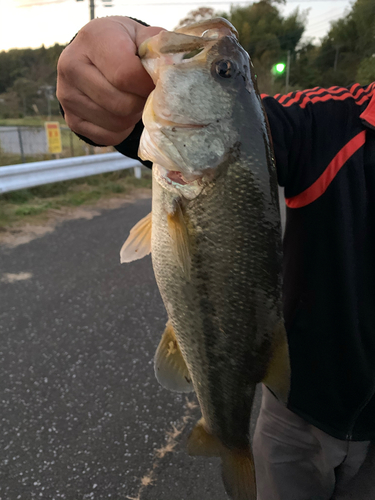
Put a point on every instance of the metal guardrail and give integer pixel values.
(25, 175)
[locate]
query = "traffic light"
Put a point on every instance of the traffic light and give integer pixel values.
(279, 68)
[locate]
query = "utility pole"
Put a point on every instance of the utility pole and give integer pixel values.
(287, 73)
(336, 58)
(107, 3)
(92, 10)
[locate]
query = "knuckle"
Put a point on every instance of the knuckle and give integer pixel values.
(96, 134)
(128, 108)
(64, 59)
(107, 138)
(119, 125)
(119, 79)
(66, 66)
(74, 123)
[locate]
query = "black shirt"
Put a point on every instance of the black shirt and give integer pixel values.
(324, 143)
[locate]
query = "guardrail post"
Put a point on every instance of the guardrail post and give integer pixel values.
(71, 144)
(21, 145)
(137, 172)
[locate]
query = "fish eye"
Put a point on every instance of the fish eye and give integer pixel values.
(224, 68)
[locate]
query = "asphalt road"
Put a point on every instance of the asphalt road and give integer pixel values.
(82, 415)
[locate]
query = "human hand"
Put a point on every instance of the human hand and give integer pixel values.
(101, 83)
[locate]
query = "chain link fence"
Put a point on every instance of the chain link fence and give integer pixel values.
(21, 144)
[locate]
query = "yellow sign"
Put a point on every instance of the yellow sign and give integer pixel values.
(53, 137)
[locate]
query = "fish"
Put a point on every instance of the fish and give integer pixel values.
(214, 234)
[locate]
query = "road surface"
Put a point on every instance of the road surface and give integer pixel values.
(82, 415)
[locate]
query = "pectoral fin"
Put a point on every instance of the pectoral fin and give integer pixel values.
(238, 471)
(180, 239)
(138, 244)
(170, 367)
(278, 371)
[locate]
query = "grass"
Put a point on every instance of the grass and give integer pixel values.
(30, 121)
(71, 144)
(26, 204)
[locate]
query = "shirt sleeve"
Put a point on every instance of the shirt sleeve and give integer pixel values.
(307, 129)
(292, 131)
(129, 147)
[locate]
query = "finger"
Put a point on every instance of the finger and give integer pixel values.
(95, 133)
(125, 70)
(89, 111)
(111, 47)
(94, 85)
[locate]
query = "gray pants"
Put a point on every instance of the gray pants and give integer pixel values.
(295, 460)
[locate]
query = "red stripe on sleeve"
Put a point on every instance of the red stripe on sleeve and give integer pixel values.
(320, 186)
(318, 94)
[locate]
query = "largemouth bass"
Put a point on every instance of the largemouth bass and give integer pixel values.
(215, 237)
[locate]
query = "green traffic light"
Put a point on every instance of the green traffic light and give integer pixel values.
(280, 68)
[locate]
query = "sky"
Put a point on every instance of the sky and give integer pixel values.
(32, 23)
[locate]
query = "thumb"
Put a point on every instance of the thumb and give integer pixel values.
(145, 32)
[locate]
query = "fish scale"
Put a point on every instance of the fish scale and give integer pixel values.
(213, 313)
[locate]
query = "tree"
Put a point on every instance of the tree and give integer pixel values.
(366, 71)
(349, 40)
(10, 105)
(197, 15)
(26, 90)
(25, 72)
(303, 72)
(267, 36)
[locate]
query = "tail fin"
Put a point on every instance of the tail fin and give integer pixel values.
(238, 470)
(238, 474)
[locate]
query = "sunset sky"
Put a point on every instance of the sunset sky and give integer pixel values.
(32, 23)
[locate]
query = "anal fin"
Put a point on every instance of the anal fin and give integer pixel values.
(238, 471)
(170, 367)
(203, 444)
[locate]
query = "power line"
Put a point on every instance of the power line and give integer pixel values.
(38, 4)
(218, 2)
(201, 2)
(105, 3)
